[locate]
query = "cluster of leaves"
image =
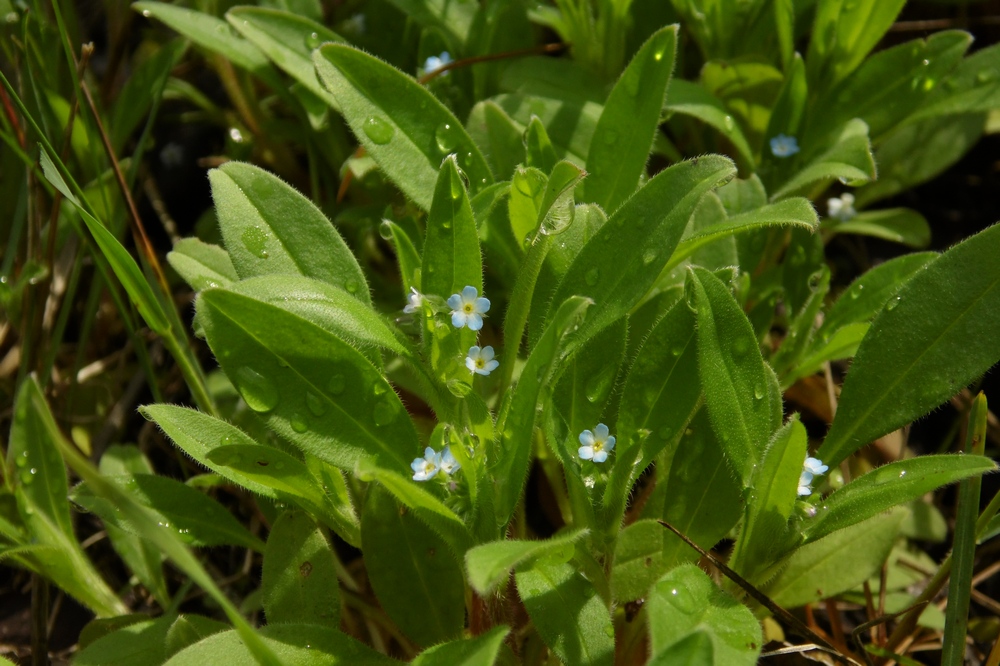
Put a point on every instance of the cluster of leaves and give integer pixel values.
(622, 299)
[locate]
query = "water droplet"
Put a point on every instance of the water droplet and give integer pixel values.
(22, 460)
(457, 189)
(609, 629)
(592, 276)
(258, 391)
(598, 384)
(378, 130)
(351, 286)
(893, 302)
(589, 481)
(299, 423)
(315, 404)
(26, 477)
(336, 384)
(385, 230)
(681, 598)
(448, 136)
(384, 413)
(729, 123)
(677, 351)
(856, 292)
(146, 13)
(758, 391)
(379, 389)
(255, 241)
(649, 256)
(313, 40)
(984, 76)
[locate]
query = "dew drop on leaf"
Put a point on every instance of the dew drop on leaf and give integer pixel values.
(447, 137)
(336, 384)
(592, 276)
(728, 121)
(299, 423)
(378, 130)
(758, 391)
(315, 404)
(893, 302)
(255, 241)
(312, 41)
(384, 413)
(649, 256)
(257, 390)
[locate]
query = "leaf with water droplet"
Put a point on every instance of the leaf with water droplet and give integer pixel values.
(365, 88)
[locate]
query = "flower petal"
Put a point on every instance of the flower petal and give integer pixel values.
(458, 319)
(600, 456)
(587, 438)
(601, 431)
(609, 445)
(487, 353)
(585, 452)
(469, 294)
(481, 305)
(455, 302)
(473, 321)
(491, 366)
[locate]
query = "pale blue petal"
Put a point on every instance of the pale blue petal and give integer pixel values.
(487, 352)
(473, 321)
(491, 366)
(587, 438)
(482, 305)
(585, 452)
(455, 302)
(458, 319)
(609, 445)
(469, 294)
(600, 456)
(804, 490)
(601, 431)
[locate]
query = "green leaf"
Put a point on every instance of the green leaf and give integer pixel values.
(504, 144)
(932, 338)
(842, 343)
(124, 266)
(588, 378)
(686, 601)
(888, 86)
(836, 563)
(301, 378)
(624, 134)
(299, 579)
(539, 152)
(451, 257)
(196, 518)
(771, 502)
(139, 644)
(40, 489)
(889, 485)
(454, 19)
(290, 480)
(527, 187)
(568, 613)
(867, 295)
(917, 152)
(691, 99)
(569, 125)
(971, 87)
(849, 159)
(899, 225)
(407, 256)
(843, 34)
(641, 236)
(202, 265)
(288, 40)
(270, 228)
(696, 493)
(659, 396)
(189, 629)
(299, 644)
(795, 211)
(142, 557)
(482, 650)
(741, 391)
(399, 122)
(695, 649)
(166, 540)
(425, 506)
(490, 564)
(141, 91)
(413, 574)
(511, 467)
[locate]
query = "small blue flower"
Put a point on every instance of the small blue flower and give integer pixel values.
(356, 24)
(467, 309)
(841, 208)
(426, 468)
(784, 146)
(480, 361)
(810, 468)
(414, 300)
(448, 462)
(596, 445)
(437, 62)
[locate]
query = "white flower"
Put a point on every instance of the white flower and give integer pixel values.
(784, 146)
(414, 300)
(841, 208)
(436, 62)
(356, 24)
(448, 462)
(427, 467)
(467, 309)
(810, 468)
(480, 361)
(596, 445)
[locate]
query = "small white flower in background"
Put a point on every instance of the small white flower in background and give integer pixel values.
(467, 309)
(414, 301)
(427, 467)
(596, 445)
(436, 62)
(810, 468)
(448, 462)
(480, 361)
(355, 24)
(784, 146)
(841, 208)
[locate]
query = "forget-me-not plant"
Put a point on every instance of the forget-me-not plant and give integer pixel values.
(436, 62)
(480, 361)
(810, 468)
(784, 146)
(597, 444)
(413, 301)
(468, 308)
(448, 463)
(426, 468)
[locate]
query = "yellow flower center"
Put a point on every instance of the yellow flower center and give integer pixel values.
(468, 308)
(480, 363)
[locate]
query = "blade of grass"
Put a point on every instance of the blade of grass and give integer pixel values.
(963, 549)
